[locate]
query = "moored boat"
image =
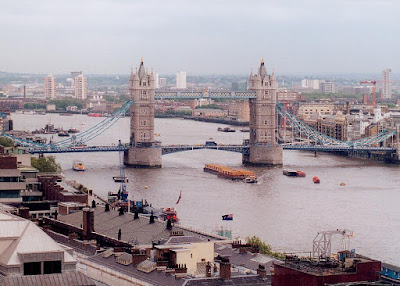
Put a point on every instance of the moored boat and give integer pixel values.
(227, 217)
(228, 173)
(63, 133)
(294, 173)
(120, 179)
(73, 130)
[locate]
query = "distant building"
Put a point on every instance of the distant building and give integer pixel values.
(50, 86)
(239, 111)
(50, 107)
(80, 87)
(387, 83)
(156, 80)
(287, 95)
(314, 108)
(328, 87)
(11, 184)
(181, 79)
(310, 83)
(162, 82)
(208, 112)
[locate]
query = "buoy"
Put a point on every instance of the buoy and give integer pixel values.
(146, 187)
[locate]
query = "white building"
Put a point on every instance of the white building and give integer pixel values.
(310, 83)
(162, 82)
(156, 80)
(49, 86)
(387, 83)
(181, 79)
(80, 86)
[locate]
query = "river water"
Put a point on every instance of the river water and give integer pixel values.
(285, 212)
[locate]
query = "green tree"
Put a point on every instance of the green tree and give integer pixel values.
(61, 104)
(46, 164)
(263, 247)
(6, 142)
(33, 105)
(209, 106)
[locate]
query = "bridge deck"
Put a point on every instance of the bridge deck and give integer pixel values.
(168, 149)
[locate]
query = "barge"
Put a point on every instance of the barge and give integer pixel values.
(228, 173)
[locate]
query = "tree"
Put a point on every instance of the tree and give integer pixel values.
(46, 164)
(6, 142)
(263, 247)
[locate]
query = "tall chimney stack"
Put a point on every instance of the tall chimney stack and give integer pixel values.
(88, 222)
(225, 268)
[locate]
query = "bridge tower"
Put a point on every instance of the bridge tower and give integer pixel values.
(143, 152)
(263, 150)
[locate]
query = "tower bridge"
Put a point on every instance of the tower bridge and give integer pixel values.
(262, 148)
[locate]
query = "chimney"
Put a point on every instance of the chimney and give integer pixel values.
(151, 219)
(347, 108)
(119, 234)
(261, 271)
(93, 204)
(225, 268)
(136, 215)
(56, 215)
(208, 269)
(24, 212)
(169, 224)
(107, 208)
(88, 222)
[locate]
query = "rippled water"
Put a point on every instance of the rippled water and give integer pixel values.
(285, 212)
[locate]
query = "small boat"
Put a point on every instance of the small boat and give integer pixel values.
(65, 114)
(169, 213)
(301, 174)
(94, 114)
(293, 173)
(63, 133)
(73, 130)
(78, 166)
(342, 184)
(244, 130)
(227, 217)
(120, 179)
(250, 179)
(316, 180)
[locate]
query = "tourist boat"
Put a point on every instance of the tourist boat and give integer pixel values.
(78, 166)
(293, 173)
(120, 179)
(316, 180)
(226, 129)
(250, 179)
(63, 133)
(228, 173)
(73, 130)
(227, 217)
(94, 114)
(169, 214)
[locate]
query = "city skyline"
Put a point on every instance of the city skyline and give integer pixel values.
(109, 37)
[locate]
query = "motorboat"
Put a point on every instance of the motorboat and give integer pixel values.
(78, 166)
(250, 179)
(316, 180)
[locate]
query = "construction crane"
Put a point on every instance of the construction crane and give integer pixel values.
(322, 243)
(373, 82)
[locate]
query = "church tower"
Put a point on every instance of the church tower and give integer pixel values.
(263, 150)
(143, 152)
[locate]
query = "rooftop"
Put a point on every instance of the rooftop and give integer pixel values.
(61, 279)
(138, 231)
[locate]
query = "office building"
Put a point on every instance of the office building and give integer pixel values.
(50, 86)
(328, 87)
(387, 83)
(181, 79)
(80, 86)
(156, 80)
(162, 82)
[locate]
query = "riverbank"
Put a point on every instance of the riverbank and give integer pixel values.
(202, 119)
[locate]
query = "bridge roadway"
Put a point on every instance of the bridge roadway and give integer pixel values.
(244, 149)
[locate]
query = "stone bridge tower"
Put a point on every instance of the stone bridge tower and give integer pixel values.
(263, 150)
(143, 152)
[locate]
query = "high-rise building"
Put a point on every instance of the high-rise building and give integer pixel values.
(181, 79)
(162, 82)
(156, 80)
(387, 83)
(328, 87)
(50, 86)
(80, 87)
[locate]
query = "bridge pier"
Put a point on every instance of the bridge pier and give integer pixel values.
(143, 157)
(263, 156)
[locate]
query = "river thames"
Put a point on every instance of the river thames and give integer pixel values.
(283, 211)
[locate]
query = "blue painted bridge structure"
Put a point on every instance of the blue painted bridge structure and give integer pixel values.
(243, 149)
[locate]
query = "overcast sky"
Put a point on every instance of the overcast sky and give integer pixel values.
(200, 37)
